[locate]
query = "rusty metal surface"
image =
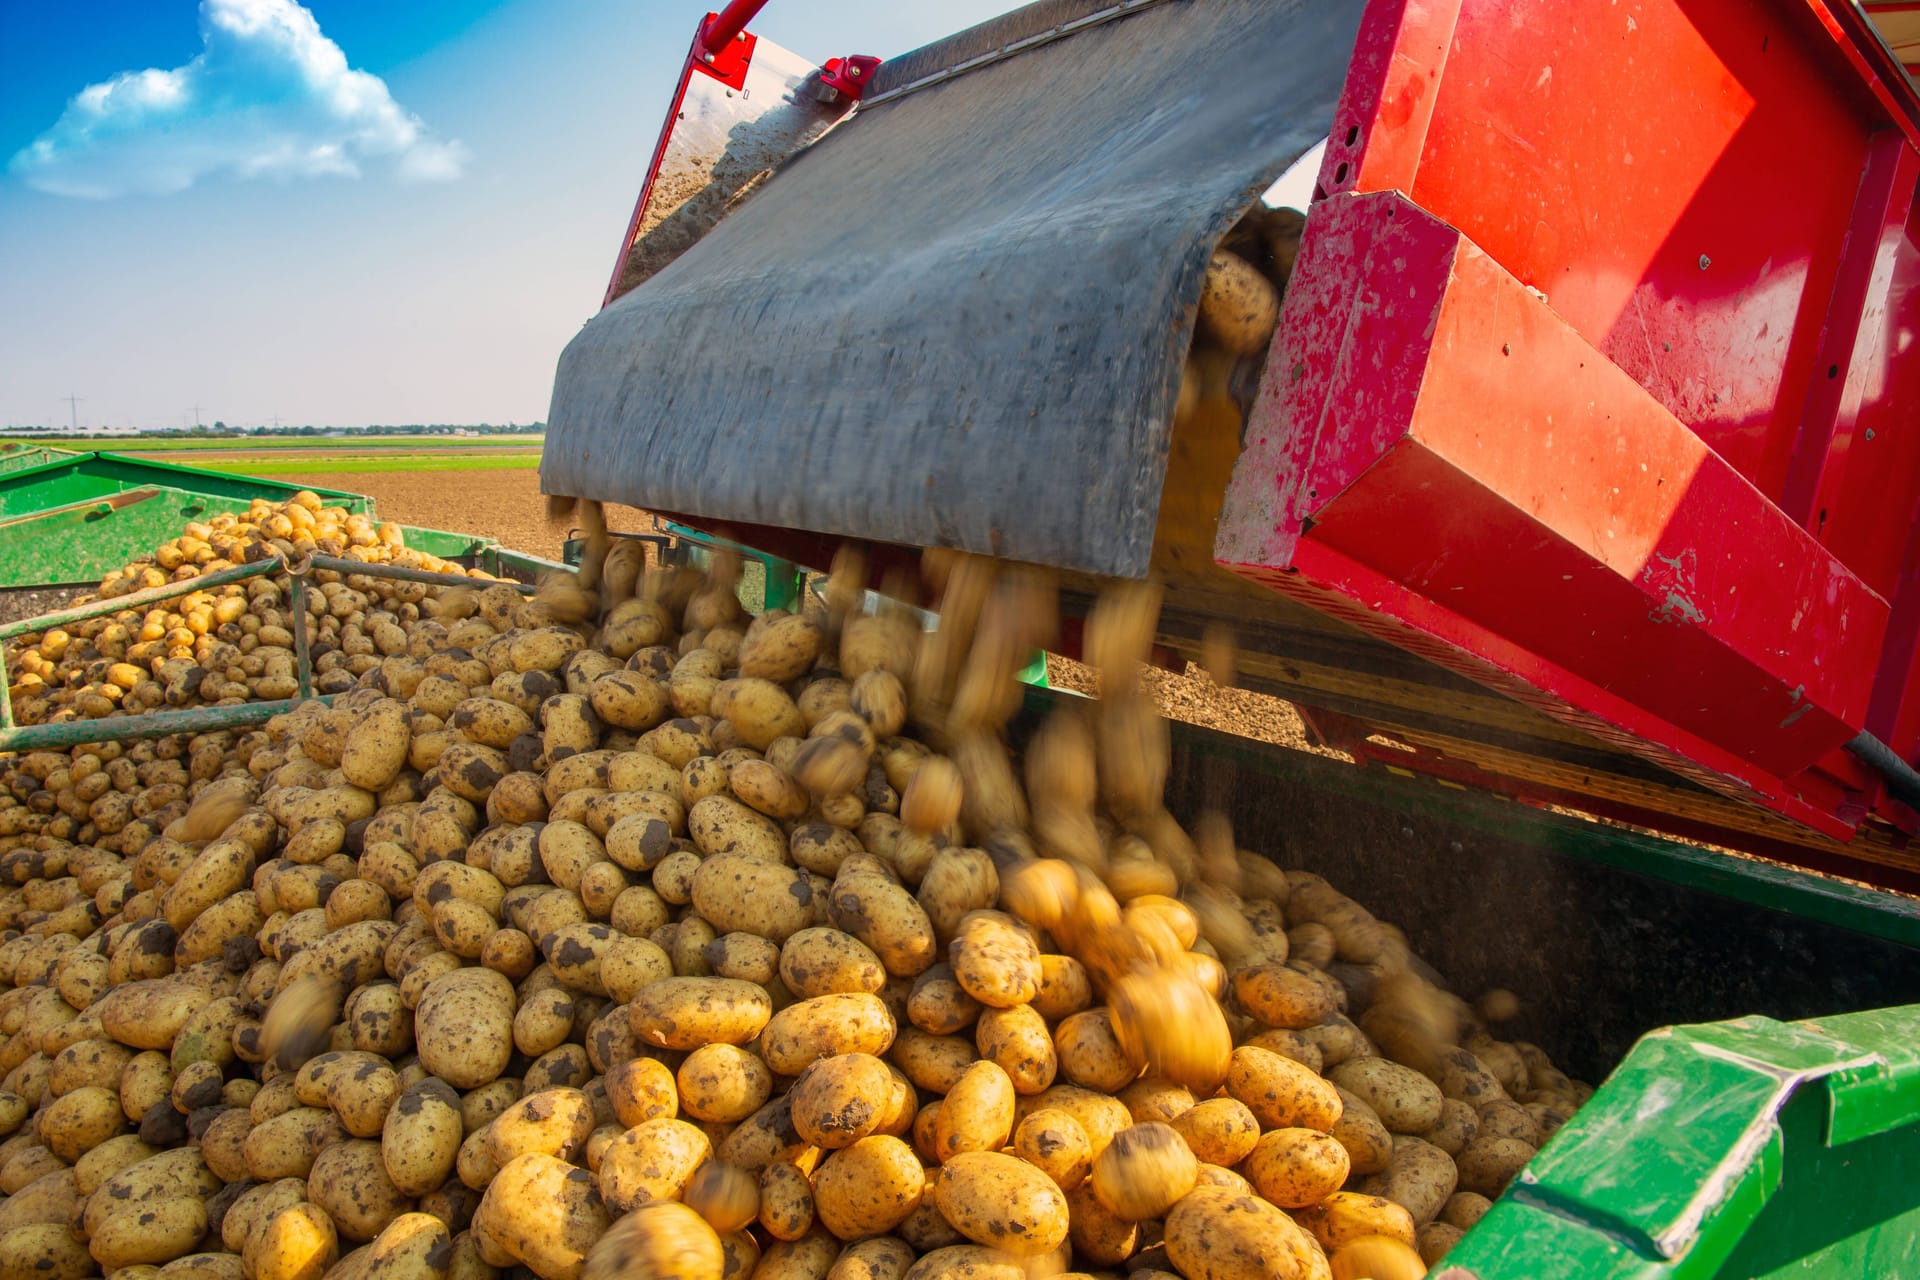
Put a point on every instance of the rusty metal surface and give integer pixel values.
(959, 318)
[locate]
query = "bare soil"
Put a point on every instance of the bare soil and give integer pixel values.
(504, 505)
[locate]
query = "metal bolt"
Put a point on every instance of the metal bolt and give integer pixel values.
(853, 71)
(1705, 262)
(1869, 433)
(706, 57)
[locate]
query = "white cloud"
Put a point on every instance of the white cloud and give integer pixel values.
(269, 97)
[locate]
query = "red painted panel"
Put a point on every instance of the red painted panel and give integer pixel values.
(1448, 452)
(1676, 175)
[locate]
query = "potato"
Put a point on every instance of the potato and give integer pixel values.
(286, 1145)
(1090, 1055)
(867, 1188)
(937, 1005)
(1405, 1100)
(746, 956)
(641, 1089)
(1435, 1240)
(49, 1198)
(349, 1180)
(966, 1262)
(845, 1022)
(759, 710)
(75, 1123)
(723, 1083)
(1217, 1234)
(1487, 1164)
(545, 1214)
(663, 1240)
(421, 1136)
(883, 915)
(1098, 1234)
(1052, 1141)
(1346, 1216)
(1239, 307)
(841, 1099)
(808, 1258)
(414, 1246)
(43, 1251)
(1065, 988)
(1018, 1041)
(1143, 1172)
(995, 960)
(1001, 1200)
(721, 824)
(1376, 1258)
(1457, 1126)
(1464, 1209)
(1369, 1145)
(1420, 1178)
(1295, 1168)
(555, 1122)
(298, 1242)
(376, 748)
(786, 1201)
(464, 1026)
(876, 1258)
(685, 1013)
(1280, 1092)
(1219, 1131)
(1282, 997)
(158, 1230)
(651, 1161)
(739, 892)
(820, 961)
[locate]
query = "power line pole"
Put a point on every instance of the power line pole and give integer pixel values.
(196, 414)
(73, 409)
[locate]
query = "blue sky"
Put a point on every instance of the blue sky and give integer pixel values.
(339, 214)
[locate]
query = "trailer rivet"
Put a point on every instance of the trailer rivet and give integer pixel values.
(1705, 262)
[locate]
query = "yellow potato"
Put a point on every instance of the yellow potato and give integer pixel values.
(867, 1188)
(1144, 1171)
(1295, 1168)
(685, 1013)
(1001, 1200)
(1281, 1092)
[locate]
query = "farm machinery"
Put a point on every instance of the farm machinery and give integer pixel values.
(1573, 497)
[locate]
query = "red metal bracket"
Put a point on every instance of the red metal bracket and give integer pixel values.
(723, 49)
(849, 76)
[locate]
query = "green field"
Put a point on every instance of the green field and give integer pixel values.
(299, 455)
(285, 465)
(304, 444)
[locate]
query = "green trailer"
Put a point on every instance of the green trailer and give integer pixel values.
(1757, 1027)
(101, 510)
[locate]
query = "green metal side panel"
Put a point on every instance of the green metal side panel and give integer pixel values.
(20, 459)
(69, 478)
(1740, 1149)
(81, 541)
(446, 545)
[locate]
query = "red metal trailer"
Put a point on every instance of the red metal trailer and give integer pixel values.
(1587, 439)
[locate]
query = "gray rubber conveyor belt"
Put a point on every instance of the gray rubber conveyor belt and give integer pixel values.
(959, 319)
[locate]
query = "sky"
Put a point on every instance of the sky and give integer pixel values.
(351, 212)
(345, 213)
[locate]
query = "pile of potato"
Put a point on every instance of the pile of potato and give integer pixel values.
(616, 933)
(231, 644)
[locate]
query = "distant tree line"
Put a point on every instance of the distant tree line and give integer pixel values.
(220, 430)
